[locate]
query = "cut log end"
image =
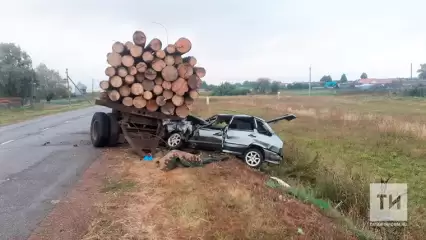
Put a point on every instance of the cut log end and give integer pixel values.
(180, 87)
(124, 91)
(169, 73)
(139, 38)
(161, 101)
(128, 45)
(122, 71)
(182, 111)
(200, 71)
(183, 45)
(150, 74)
(177, 100)
(193, 94)
(155, 44)
(127, 60)
(169, 60)
(137, 89)
(132, 70)
(127, 101)
(147, 56)
(114, 95)
(141, 67)
(170, 49)
(116, 81)
(168, 108)
(114, 59)
(139, 102)
(158, 65)
(157, 89)
(168, 94)
(190, 60)
(166, 85)
(129, 79)
(104, 85)
(147, 95)
(152, 105)
(178, 59)
(158, 81)
(160, 54)
(139, 77)
(136, 51)
(148, 85)
(110, 71)
(185, 70)
(194, 82)
(118, 47)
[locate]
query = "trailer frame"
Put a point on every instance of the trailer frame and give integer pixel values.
(142, 129)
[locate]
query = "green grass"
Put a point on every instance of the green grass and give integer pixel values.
(14, 115)
(338, 145)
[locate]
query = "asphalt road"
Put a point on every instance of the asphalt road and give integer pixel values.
(40, 160)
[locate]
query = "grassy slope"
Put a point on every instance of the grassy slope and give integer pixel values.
(358, 140)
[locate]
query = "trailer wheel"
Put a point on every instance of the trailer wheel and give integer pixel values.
(114, 131)
(100, 129)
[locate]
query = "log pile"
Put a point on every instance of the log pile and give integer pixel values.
(148, 75)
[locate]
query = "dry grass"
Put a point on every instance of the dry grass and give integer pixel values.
(223, 200)
(358, 140)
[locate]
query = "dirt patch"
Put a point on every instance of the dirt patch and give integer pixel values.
(224, 200)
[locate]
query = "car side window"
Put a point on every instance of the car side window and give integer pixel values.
(220, 123)
(242, 124)
(261, 128)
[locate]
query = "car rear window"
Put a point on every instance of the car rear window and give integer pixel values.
(263, 128)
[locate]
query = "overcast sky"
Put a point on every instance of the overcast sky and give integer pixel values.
(234, 40)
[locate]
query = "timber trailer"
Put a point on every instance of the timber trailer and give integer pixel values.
(143, 130)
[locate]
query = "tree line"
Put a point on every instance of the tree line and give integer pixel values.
(260, 86)
(18, 77)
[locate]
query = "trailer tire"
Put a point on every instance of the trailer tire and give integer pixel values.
(100, 129)
(114, 131)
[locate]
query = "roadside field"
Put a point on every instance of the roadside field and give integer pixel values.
(14, 115)
(340, 144)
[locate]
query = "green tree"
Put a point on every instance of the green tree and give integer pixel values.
(263, 85)
(16, 74)
(422, 71)
(51, 83)
(326, 78)
(343, 78)
(275, 87)
(364, 75)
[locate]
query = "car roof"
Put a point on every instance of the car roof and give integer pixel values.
(239, 115)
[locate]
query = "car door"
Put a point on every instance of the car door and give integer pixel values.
(211, 136)
(239, 135)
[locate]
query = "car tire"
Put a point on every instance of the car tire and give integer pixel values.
(114, 132)
(99, 129)
(253, 158)
(175, 140)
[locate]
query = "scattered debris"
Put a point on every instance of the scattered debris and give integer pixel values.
(46, 143)
(55, 202)
(176, 157)
(281, 182)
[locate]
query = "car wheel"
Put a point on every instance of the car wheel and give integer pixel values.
(253, 157)
(99, 129)
(114, 133)
(175, 141)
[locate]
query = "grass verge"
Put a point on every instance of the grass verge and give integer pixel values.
(14, 115)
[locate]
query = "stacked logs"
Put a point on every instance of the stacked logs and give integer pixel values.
(152, 77)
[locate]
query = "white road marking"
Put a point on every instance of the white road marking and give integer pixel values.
(3, 143)
(45, 129)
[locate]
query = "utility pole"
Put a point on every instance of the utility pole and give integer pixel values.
(310, 80)
(411, 71)
(93, 84)
(68, 87)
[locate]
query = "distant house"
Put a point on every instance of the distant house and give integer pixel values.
(376, 80)
(82, 88)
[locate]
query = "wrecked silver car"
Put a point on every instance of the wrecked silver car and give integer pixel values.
(245, 136)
